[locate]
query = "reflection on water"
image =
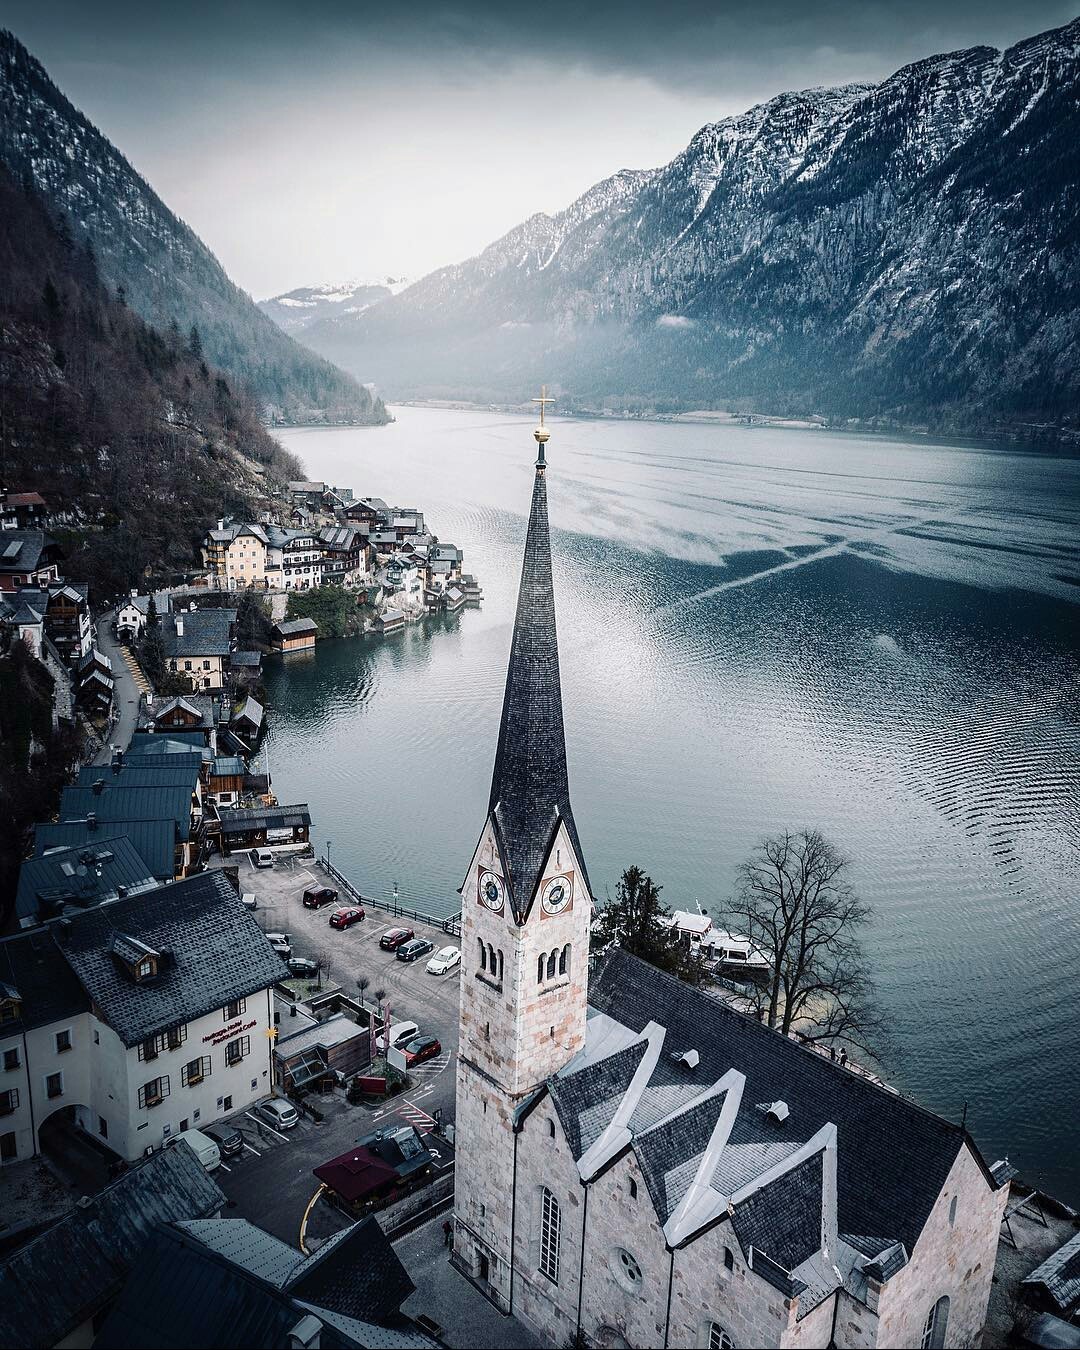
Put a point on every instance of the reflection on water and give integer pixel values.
(758, 629)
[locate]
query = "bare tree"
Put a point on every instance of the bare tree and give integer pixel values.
(796, 904)
(362, 983)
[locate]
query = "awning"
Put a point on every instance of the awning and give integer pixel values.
(307, 1067)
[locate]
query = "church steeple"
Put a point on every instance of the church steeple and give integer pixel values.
(530, 790)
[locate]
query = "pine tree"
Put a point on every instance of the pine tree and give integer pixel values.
(195, 347)
(635, 921)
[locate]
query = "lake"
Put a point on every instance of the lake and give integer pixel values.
(759, 628)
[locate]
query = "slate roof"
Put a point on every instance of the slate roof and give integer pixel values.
(246, 659)
(206, 633)
(129, 803)
(893, 1157)
(21, 550)
(530, 789)
(783, 1219)
(33, 965)
(668, 1153)
(295, 627)
(143, 772)
(356, 1273)
(153, 840)
(169, 742)
(67, 1274)
(265, 817)
(1059, 1275)
(586, 1101)
(251, 710)
(82, 876)
(213, 950)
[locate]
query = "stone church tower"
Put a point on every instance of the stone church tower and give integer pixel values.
(525, 913)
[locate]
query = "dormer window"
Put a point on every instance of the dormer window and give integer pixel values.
(10, 1010)
(145, 969)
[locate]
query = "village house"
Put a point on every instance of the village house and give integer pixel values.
(131, 613)
(180, 713)
(308, 495)
(247, 721)
(313, 1053)
(295, 635)
(236, 555)
(56, 1289)
(638, 1163)
(110, 800)
(132, 1023)
(347, 555)
(94, 685)
(26, 623)
(22, 510)
(245, 667)
(377, 1166)
(66, 611)
(406, 522)
(403, 585)
(227, 780)
(153, 839)
(443, 567)
(260, 826)
(198, 643)
(370, 511)
(28, 558)
(293, 559)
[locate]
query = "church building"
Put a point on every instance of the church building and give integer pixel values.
(638, 1164)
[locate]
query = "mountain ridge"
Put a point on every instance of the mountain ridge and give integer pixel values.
(161, 266)
(903, 252)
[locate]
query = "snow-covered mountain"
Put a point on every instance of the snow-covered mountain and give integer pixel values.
(295, 311)
(165, 271)
(907, 250)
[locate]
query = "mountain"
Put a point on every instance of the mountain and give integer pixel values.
(903, 252)
(125, 430)
(165, 272)
(298, 310)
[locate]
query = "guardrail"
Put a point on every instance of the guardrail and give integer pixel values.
(451, 925)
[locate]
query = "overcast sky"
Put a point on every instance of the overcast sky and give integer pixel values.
(339, 139)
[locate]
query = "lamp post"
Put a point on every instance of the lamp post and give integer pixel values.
(328, 843)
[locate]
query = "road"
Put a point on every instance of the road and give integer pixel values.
(125, 690)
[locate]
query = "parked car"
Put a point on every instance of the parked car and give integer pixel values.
(249, 900)
(401, 1033)
(393, 938)
(261, 857)
(280, 943)
(317, 896)
(301, 966)
(446, 958)
(229, 1140)
(414, 950)
(345, 918)
(204, 1148)
(424, 1047)
(281, 1114)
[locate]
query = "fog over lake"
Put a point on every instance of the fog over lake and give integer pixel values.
(759, 628)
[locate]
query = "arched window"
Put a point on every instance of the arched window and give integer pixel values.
(937, 1321)
(491, 958)
(552, 958)
(540, 969)
(718, 1338)
(551, 1128)
(550, 1220)
(729, 1260)
(952, 1211)
(483, 955)
(500, 965)
(633, 1189)
(564, 960)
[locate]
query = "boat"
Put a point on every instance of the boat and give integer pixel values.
(734, 951)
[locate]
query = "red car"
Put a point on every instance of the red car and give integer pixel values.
(392, 939)
(316, 896)
(424, 1047)
(344, 918)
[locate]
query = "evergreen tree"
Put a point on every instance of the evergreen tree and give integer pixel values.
(152, 619)
(635, 921)
(195, 347)
(154, 661)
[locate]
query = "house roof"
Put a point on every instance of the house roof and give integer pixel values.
(33, 965)
(250, 710)
(67, 1274)
(530, 790)
(265, 817)
(21, 550)
(301, 486)
(893, 1157)
(153, 840)
(80, 877)
(24, 499)
(118, 801)
(225, 1283)
(1059, 1275)
(293, 627)
(144, 771)
(206, 632)
(213, 952)
(246, 658)
(228, 766)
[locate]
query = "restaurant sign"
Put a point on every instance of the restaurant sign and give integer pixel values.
(227, 1033)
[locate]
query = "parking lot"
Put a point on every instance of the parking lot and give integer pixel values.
(271, 1181)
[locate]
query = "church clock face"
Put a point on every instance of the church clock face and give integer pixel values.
(558, 893)
(491, 891)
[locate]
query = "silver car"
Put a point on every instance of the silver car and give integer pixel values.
(280, 1114)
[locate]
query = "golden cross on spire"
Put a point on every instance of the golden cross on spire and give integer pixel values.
(543, 400)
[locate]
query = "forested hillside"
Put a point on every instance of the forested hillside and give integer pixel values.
(126, 427)
(165, 271)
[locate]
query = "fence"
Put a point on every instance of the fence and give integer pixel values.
(451, 925)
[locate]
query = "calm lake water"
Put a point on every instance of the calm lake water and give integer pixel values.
(759, 629)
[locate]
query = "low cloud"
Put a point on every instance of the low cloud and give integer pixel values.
(675, 321)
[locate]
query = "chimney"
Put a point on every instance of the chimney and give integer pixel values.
(179, 626)
(306, 1334)
(91, 820)
(121, 892)
(99, 786)
(221, 524)
(134, 592)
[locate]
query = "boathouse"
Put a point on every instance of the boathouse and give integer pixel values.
(263, 825)
(295, 635)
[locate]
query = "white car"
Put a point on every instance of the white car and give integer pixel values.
(249, 900)
(445, 959)
(280, 943)
(261, 857)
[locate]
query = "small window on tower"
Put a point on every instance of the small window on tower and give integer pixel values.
(483, 955)
(551, 1128)
(540, 969)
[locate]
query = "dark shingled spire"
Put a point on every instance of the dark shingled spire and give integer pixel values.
(530, 791)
